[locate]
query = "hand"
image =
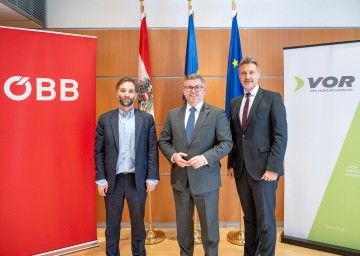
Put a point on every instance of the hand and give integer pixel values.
(230, 173)
(149, 187)
(103, 190)
(178, 158)
(269, 176)
(197, 162)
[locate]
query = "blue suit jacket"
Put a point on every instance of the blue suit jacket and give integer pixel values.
(106, 150)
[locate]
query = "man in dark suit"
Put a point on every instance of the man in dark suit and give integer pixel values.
(259, 130)
(127, 166)
(194, 139)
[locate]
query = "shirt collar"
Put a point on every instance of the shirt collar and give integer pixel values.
(198, 106)
(129, 114)
(254, 91)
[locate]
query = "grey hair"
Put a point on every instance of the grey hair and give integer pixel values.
(249, 60)
(194, 77)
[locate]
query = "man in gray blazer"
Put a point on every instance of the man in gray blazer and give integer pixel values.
(127, 166)
(259, 130)
(194, 139)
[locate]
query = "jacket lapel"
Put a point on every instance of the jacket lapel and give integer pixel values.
(114, 120)
(254, 106)
(236, 113)
(138, 126)
(181, 118)
(200, 120)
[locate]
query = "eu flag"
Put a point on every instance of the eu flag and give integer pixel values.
(233, 85)
(191, 62)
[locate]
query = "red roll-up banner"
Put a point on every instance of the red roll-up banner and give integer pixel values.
(47, 113)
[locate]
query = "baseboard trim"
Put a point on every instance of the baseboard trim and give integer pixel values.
(71, 249)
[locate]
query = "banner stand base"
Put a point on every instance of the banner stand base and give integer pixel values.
(318, 246)
(71, 249)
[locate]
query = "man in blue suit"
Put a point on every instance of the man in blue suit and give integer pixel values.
(259, 130)
(127, 166)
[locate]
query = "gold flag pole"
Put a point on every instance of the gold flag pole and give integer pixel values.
(197, 231)
(189, 6)
(153, 236)
(141, 8)
(237, 237)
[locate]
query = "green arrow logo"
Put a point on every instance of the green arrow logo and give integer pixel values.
(300, 83)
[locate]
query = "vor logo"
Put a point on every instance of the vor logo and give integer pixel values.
(326, 82)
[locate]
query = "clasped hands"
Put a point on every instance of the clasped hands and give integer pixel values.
(196, 161)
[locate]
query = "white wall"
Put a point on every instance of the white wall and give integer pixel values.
(208, 13)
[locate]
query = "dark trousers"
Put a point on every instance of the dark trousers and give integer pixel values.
(114, 203)
(207, 205)
(258, 201)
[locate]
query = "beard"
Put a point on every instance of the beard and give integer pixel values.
(126, 103)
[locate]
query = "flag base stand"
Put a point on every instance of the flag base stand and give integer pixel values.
(154, 236)
(236, 237)
(197, 236)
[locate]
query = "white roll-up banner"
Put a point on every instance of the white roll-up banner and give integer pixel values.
(322, 162)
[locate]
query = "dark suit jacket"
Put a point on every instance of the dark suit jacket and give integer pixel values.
(262, 145)
(211, 138)
(107, 148)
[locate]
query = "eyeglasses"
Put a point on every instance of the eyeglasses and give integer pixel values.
(196, 87)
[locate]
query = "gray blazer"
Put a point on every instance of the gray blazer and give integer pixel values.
(211, 138)
(262, 145)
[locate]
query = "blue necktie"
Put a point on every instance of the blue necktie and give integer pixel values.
(190, 124)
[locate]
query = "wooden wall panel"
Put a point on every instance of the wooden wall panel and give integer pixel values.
(167, 95)
(117, 51)
(213, 50)
(117, 56)
(163, 206)
(229, 202)
(105, 95)
(267, 44)
(274, 84)
(168, 48)
(215, 91)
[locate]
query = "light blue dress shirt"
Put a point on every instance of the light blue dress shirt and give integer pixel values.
(126, 160)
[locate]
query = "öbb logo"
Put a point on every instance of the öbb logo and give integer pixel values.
(45, 89)
(327, 82)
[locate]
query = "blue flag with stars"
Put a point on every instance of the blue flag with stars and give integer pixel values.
(233, 85)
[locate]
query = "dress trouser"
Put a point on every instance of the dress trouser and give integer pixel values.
(258, 201)
(207, 206)
(125, 187)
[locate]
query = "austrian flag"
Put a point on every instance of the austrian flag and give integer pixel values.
(146, 99)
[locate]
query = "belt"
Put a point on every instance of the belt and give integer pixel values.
(126, 173)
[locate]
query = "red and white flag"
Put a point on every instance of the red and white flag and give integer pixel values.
(146, 99)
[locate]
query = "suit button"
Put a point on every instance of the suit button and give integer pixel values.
(243, 135)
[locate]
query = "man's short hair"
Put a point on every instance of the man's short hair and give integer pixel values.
(127, 79)
(249, 60)
(194, 77)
